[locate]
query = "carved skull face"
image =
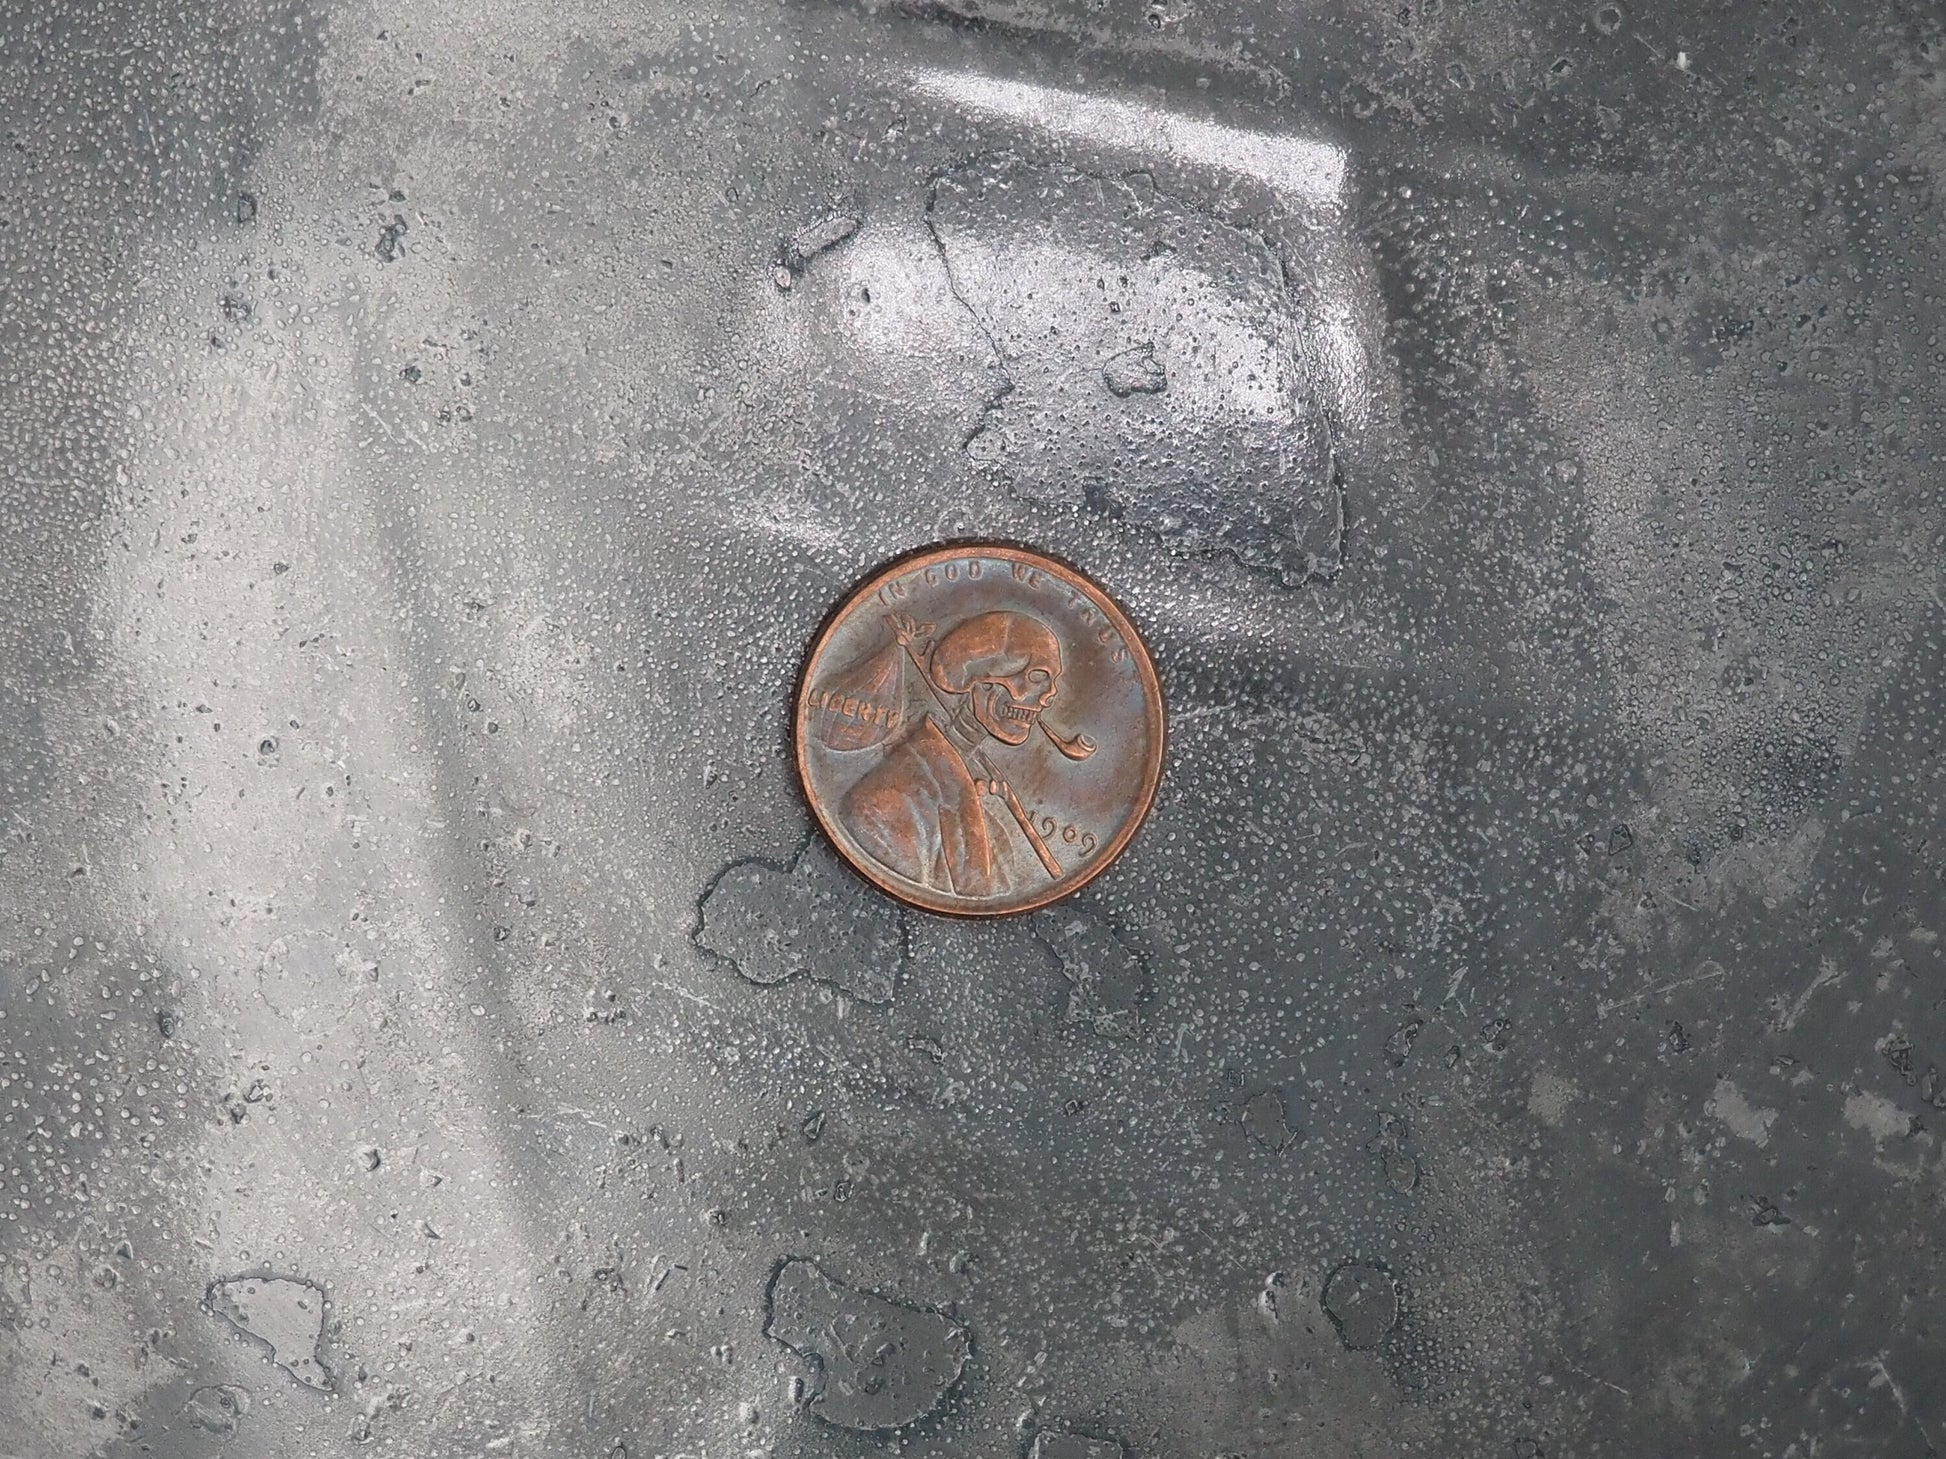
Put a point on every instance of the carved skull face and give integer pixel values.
(1009, 667)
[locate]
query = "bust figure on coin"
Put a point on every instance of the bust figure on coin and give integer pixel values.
(924, 747)
(921, 810)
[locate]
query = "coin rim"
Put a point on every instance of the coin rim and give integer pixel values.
(1144, 665)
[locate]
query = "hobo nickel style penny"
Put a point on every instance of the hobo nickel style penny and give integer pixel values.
(979, 730)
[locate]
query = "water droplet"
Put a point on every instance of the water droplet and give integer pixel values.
(882, 1363)
(390, 247)
(287, 1313)
(1265, 1118)
(813, 919)
(1109, 981)
(1134, 372)
(1766, 1213)
(1076, 1446)
(217, 1408)
(1362, 1302)
(814, 238)
(1398, 1048)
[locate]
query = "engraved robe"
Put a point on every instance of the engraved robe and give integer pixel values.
(921, 813)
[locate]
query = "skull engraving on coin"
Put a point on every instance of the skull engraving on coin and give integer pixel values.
(926, 733)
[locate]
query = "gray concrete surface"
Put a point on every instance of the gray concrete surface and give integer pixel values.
(432, 433)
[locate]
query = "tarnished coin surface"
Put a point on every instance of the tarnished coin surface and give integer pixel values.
(979, 730)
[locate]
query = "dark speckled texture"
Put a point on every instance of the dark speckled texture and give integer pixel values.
(431, 434)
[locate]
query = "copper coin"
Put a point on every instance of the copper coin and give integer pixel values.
(979, 730)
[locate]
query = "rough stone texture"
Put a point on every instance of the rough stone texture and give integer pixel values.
(432, 433)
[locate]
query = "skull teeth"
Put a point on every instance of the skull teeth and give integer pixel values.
(1026, 714)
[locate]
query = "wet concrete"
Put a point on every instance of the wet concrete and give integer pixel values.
(434, 432)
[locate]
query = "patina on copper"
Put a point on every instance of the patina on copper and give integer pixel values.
(979, 730)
